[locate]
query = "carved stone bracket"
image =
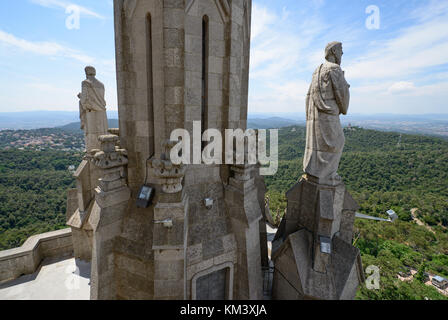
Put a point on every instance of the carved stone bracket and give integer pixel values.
(169, 174)
(242, 172)
(110, 156)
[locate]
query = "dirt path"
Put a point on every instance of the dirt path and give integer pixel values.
(420, 222)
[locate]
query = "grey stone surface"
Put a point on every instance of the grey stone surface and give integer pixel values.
(303, 269)
(327, 98)
(297, 279)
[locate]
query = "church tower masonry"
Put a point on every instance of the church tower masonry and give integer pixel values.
(180, 61)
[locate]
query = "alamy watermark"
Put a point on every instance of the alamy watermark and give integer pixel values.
(73, 21)
(373, 280)
(373, 21)
(241, 147)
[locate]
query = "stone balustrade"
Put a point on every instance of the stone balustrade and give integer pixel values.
(27, 258)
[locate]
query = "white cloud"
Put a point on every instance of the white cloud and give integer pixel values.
(318, 3)
(402, 87)
(281, 42)
(281, 45)
(416, 48)
(64, 5)
(261, 19)
(415, 53)
(431, 10)
(51, 49)
(377, 99)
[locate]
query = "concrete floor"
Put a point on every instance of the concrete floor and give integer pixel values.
(67, 279)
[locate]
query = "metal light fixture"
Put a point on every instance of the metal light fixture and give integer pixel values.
(208, 202)
(145, 196)
(325, 244)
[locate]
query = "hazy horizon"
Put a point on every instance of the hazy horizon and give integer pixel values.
(395, 53)
(250, 113)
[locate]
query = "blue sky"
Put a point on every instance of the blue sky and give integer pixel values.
(402, 67)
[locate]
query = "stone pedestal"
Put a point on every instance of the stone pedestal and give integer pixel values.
(111, 201)
(312, 250)
(245, 214)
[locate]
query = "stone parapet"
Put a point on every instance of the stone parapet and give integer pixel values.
(27, 258)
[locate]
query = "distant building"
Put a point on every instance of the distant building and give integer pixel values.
(392, 215)
(439, 282)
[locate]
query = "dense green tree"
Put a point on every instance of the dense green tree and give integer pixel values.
(382, 175)
(379, 173)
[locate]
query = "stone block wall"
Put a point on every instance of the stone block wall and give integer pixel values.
(141, 97)
(171, 70)
(27, 258)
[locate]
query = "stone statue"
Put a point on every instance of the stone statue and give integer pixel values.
(92, 109)
(327, 98)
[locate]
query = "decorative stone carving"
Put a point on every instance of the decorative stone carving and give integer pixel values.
(242, 172)
(327, 98)
(170, 175)
(110, 156)
(92, 109)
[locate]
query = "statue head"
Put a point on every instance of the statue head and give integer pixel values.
(333, 52)
(90, 71)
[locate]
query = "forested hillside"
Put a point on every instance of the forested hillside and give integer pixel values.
(385, 171)
(33, 192)
(406, 173)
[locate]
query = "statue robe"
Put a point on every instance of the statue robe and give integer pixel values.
(92, 95)
(327, 98)
(92, 108)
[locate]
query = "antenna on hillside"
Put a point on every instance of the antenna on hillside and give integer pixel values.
(399, 141)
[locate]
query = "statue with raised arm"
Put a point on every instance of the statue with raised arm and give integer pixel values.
(92, 109)
(327, 98)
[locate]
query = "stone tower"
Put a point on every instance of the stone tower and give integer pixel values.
(178, 61)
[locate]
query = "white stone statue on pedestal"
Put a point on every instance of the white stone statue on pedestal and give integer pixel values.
(92, 109)
(327, 98)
